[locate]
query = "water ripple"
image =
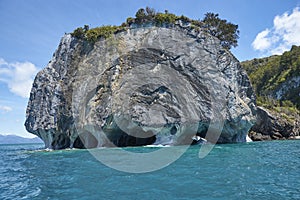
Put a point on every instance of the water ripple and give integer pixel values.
(262, 170)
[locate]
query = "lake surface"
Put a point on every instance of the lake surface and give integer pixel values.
(258, 170)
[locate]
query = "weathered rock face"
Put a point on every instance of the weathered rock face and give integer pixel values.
(148, 85)
(274, 126)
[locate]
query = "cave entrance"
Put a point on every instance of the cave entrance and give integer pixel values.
(127, 140)
(85, 140)
(122, 139)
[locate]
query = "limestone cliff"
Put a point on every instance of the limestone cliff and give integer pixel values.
(145, 85)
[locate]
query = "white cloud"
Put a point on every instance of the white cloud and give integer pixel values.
(262, 42)
(18, 76)
(2, 62)
(5, 108)
(284, 33)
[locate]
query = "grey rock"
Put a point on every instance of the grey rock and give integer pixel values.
(283, 89)
(147, 85)
(258, 136)
(271, 125)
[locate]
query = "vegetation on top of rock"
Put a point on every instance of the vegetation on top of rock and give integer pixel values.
(276, 81)
(92, 35)
(226, 32)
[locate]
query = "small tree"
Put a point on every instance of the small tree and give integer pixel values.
(86, 28)
(78, 33)
(226, 32)
(150, 13)
(145, 15)
(140, 15)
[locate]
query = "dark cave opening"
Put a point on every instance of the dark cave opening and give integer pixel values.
(85, 140)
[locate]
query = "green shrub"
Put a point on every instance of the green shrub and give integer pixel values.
(226, 32)
(130, 20)
(197, 23)
(94, 34)
(165, 18)
(183, 18)
(78, 33)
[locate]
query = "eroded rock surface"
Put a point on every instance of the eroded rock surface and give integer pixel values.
(274, 126)
(148, 85)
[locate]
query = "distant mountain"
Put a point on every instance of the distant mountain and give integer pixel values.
(13, 139)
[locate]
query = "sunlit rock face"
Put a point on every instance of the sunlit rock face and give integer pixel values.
(147, 85)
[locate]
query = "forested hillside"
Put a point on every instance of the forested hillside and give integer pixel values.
(276, 79)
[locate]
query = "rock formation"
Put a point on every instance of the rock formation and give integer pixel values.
(145, 85)
(276, 82)
(274, 126)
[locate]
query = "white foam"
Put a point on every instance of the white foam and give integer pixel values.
(157, 145)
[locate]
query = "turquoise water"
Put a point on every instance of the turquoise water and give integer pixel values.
(261, 170)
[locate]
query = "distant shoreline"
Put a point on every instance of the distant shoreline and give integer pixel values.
(14, 139)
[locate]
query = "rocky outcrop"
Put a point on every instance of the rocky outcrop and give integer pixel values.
(287, 89)
(145, 85)
(274, 126)
(276, 81)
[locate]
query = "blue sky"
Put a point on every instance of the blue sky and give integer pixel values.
(31, 30)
